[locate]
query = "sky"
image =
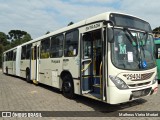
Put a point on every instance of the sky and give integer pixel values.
(40, 16)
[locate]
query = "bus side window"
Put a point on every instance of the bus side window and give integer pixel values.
(56, 46)
(45, 46)
(71, 43)
(6, 56)
(28, 51)
(23, 54)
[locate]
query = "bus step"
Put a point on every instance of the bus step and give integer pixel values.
(96, 88)
(96, 85)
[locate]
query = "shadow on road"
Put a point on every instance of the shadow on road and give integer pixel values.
(96, 105)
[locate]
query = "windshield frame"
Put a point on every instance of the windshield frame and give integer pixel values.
(140, 69)
(121, 20)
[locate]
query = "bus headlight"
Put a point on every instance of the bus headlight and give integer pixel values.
(155, 79)
(120, 84)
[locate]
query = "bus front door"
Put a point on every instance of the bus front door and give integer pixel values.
(91, 64)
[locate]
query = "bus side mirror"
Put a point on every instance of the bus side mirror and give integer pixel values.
(110, 31)
(110, 35)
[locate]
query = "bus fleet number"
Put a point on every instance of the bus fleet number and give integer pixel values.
(133, 76)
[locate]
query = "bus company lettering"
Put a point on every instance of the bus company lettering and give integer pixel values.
(93, 26)
(55, 61)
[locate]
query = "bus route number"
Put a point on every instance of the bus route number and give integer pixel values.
(133, 76)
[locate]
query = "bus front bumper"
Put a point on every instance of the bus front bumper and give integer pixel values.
(120, 96)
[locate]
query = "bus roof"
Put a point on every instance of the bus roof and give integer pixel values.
(12, 49)
(99, 17)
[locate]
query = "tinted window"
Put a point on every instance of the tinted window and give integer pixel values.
(71, 44)
(45, 46)
(56, 46)
(28, 51)
(23, 53)
(128, 21)
(6, 56)
(14, 56)
(9, 56)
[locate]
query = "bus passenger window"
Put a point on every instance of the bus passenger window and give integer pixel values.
(6, 56)
(56, 46)
(45, 45)
(23, 53)
(71, 44)
(28, 51)
(14, 56)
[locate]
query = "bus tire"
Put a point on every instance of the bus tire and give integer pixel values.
(6, 70)
(28, 77)
(68, 87)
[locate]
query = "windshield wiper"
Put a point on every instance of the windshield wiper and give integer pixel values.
(139, 44)
(133, 40)
(145, 41)
(129, 35)
(145, 37)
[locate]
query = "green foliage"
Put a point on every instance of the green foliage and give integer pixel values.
(71, 23)
(3, 39)
(16, 34)
(1, 51)
(17, 37)
(157, 29)
(13, 39)
(47, 32)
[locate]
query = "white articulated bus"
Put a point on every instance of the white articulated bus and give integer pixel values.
(108, 57)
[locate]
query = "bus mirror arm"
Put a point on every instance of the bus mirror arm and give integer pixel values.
(110, 31)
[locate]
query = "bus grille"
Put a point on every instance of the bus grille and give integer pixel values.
(140, 93)
(139, 84)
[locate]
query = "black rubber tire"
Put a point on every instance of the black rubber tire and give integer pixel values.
(28, 78)
(68, 87)
(6, 70)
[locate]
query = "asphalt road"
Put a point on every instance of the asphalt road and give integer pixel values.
(18, 95)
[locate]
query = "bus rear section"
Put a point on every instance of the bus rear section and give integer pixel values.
(11, 61)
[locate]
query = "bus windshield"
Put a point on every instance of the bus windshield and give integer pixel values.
(132, 53)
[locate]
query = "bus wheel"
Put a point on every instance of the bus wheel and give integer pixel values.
(28, 78)
(68, 87)
(7, 70)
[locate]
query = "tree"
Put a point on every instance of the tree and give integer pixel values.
(71, 23)
(1, 51)
(47, 32)
(18, 37)
(157, 29)
(3, 39)
(16, 34)
(26, 38)
(156, 32)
